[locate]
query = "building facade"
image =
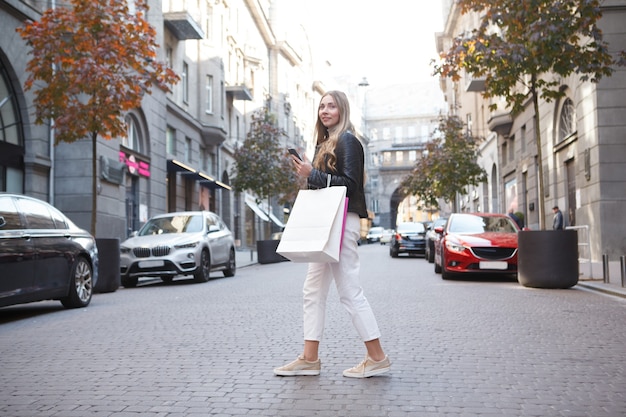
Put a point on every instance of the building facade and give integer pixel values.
(180, 146)
(584, 152)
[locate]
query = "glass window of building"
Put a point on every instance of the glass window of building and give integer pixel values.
(188, 149)
(209, 94)
(11, 138)
(185, 82)
(170, 141)
(133, 139)
(567, 120)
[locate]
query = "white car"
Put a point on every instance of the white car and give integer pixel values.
(182, 243)
(374, 234)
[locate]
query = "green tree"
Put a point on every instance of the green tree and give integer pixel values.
(447, 166)
(523, 48)
(95, 59)
(261, 163)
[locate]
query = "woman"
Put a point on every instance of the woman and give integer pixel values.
(338, 154)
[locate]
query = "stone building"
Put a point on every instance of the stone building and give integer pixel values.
(180, 145)
(584, 151)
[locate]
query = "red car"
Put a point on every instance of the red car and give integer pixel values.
(476, 244)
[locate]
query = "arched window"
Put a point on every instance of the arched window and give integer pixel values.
(134, 138)
(567, 120)
(11, 138)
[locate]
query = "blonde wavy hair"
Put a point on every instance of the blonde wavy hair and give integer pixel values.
(327, 138)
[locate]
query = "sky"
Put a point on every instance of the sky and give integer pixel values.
(390, 42)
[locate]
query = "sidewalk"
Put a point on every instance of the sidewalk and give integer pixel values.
(592, 277)
(245, 257)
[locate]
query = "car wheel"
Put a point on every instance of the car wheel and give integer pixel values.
(437, 267)
(81, 285)
(129, 282)
(232, 265)
(204, 269)
(431, 253)
(393, 253)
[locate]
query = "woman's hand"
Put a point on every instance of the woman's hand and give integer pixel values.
(304, 167)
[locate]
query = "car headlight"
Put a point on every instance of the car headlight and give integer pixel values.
(124, 249)
(187, 245)
(454, 247)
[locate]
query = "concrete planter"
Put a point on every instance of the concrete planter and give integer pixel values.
(266, 252)
(109, 265)
(547, 258)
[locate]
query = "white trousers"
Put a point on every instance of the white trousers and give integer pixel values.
(346, 276)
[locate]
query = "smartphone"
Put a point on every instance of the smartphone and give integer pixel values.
(295, 153)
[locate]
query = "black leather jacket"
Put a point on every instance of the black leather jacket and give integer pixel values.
(350, 171)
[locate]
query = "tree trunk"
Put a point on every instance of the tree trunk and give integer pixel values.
(540, 191)
(94, 183)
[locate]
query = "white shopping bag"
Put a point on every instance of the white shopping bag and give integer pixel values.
(315, 227)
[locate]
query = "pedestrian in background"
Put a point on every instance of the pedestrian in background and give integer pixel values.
(338, 153)
(516, 218)
(557, 222)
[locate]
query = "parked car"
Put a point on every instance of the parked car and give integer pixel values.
(386, 236)
(476, 244)
(44, 255)
(182, 243)
(409, 238)
(374, 234)
(431, 237)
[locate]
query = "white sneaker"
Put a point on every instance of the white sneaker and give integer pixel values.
(368, 367)
(299, 367)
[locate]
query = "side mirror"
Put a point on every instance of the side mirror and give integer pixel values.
(439, 230)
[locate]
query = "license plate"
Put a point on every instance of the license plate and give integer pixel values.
(493, 265)
(150, 264)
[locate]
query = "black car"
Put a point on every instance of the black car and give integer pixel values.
(43, 255)
(431, 236)
(409, 238)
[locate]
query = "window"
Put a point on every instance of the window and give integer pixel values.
(412, 156)
(11, 142)
(209, 94)
(37, 215)
(399, 157)
(567, 120)
(133, 134)
(9, 213)
(209, 22)
(512, 148)
(523, 139)
(185, 82)
(412, 133)
(386, 133)
(168, 57)
(468, 121)
(170, 141)
(188, 149)
(399, 132)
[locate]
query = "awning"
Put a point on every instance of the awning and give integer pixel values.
(262, 211)
(203, 179)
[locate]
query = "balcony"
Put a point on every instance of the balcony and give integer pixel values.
(239, 92)
(501, 123)
(475, 85)
(183, 26)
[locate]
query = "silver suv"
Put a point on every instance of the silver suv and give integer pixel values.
(182, 243)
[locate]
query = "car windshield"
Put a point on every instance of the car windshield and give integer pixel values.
(469, 223)
(411, 228)
(172, 224)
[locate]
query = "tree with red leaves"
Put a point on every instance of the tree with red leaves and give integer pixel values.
(90, 63)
